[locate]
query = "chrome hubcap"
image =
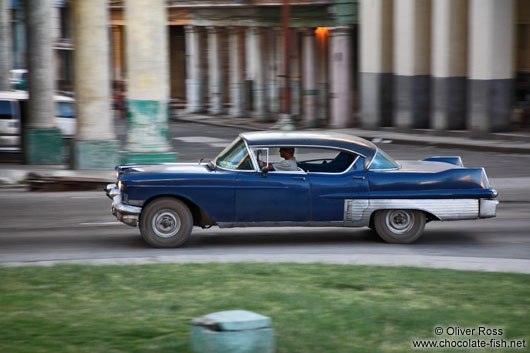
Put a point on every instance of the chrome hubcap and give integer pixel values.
(166, 223)
(399, 221)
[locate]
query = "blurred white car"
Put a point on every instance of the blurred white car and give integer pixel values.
(12, 109)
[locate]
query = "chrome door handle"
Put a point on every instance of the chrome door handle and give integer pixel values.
(359, 177)
(299, 178)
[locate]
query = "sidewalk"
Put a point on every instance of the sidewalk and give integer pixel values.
(516, 142)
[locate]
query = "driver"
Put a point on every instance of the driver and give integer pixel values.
(288, 163)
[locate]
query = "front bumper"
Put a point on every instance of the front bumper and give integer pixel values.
(124, 213)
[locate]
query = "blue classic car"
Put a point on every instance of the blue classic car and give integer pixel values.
(338, 181)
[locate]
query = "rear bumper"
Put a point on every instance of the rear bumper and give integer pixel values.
(488, 208)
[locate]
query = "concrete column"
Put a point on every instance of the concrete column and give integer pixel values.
(215, 67)
(236, 74)
(5, 45)
(322, 39)
(309, 72)
(41, 139)
(273, 66)
(279, 69)
(194, 80)
(56, 34)
(148, 84)
(258, 74)
(19, 39)
(249, 70)
(376, 63)
(95, 145)
(340, 70)
(56, 22)
(296, 101)
(412, 34)
(491, 62)
(449, 64)
(117, 53)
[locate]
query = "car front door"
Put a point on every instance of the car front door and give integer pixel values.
(272, 197)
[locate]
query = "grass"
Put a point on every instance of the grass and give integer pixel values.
(314, 308)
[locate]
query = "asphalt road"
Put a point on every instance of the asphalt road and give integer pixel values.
(46, 228)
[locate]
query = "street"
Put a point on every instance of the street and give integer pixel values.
(71, 226)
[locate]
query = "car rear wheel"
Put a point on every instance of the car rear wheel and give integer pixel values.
(399, 226)
(166, 223)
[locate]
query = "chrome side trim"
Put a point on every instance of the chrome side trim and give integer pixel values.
(443, 209)
(281, 224)
(488, 208)
(353, 211)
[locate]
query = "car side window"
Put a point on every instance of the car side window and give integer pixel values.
(6, 111)
(324, 160)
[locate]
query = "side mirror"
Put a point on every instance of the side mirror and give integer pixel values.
(264, 171)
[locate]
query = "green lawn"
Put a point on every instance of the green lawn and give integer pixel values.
(314, 308)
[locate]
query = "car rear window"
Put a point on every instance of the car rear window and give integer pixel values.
(65, 110)
(383, 161)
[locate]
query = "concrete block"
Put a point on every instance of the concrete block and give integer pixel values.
(234, 331)
(95, 154)
(43, 146)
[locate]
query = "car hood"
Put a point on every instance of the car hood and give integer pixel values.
(162, 171)
(166, 168)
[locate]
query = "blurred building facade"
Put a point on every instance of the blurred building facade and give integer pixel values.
(440, 64)
(227, 57)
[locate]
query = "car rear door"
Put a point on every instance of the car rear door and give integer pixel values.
(330, 192)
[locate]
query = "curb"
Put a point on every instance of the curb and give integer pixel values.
(484, 264)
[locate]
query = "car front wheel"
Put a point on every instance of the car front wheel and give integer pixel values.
(399, 226)
(166, 223)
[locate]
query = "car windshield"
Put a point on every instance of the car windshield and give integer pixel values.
(235, 156)
(383, 161)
